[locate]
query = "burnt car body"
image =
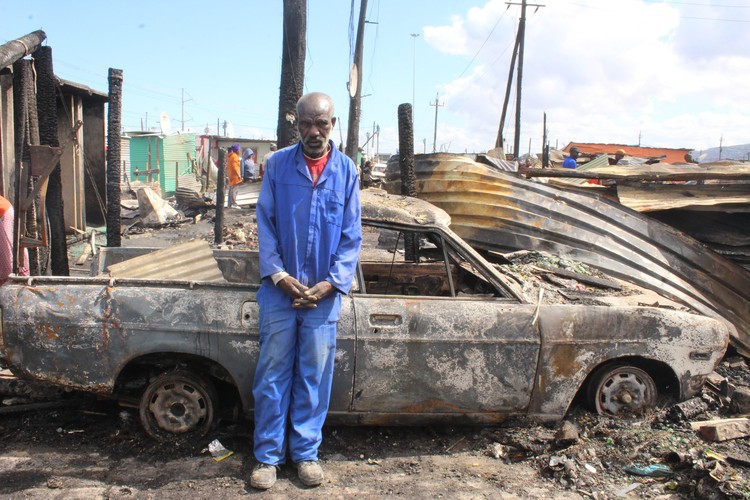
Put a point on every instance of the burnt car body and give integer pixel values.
(431, 331)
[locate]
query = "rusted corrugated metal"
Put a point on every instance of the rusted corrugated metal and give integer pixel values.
(497, 211)
(193, 261)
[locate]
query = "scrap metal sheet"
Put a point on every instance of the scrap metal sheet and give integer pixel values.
(497, 211)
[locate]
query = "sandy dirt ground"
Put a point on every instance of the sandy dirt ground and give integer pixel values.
(87, 448)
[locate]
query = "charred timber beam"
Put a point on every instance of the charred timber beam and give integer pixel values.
(20, 47)
(220, 203)
(114, 124)
(46, 100)
(406, 163)
(293, 52)
(656, 177)
(22, 80)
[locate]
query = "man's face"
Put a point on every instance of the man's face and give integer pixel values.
(315, 128)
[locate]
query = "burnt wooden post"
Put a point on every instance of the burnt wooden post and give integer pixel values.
(114, 174)
(46, 99)
(292, 70)
(21, 79)
(219, 220)
(27, 125)
(208, 166)
(406, 164)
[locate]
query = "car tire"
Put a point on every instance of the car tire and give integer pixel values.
(178, 404)
(618, 389)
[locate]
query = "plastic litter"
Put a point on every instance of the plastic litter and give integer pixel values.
(653, 470)
(217, 450)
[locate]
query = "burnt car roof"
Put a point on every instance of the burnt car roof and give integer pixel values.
(379, 206)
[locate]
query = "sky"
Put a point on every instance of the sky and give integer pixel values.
(669, 74)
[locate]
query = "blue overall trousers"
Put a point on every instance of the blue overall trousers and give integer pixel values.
(292, 385)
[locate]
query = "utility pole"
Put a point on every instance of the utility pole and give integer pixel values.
(437, 105)
(520, 42)
(377, 139)
(721, 146)
(355, 94)
(183, 109)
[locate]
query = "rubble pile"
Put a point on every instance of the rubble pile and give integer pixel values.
(659, 453)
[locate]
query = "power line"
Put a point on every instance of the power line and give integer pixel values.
(484, 42)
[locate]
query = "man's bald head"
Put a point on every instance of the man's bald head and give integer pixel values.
(315, 102)
(315, 122)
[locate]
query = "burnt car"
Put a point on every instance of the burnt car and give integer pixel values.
(431, 332)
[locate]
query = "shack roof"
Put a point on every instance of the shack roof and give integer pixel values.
(69, 87)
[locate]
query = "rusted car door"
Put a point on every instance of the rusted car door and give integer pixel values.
(417, 354)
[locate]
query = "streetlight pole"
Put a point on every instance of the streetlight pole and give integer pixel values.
(414, 75)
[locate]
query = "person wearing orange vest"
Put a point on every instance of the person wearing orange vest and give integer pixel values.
(234, 172)
(6, 243)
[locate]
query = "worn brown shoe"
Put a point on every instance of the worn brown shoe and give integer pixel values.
(263, 476)
(310, 473)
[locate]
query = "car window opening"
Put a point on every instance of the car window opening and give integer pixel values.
(439, 271)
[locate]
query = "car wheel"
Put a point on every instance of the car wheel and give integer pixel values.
(178, 403)
(617, 389)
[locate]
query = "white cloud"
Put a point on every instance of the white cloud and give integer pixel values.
(603, 72)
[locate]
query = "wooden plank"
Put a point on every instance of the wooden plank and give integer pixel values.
(723, 429)
(84, 255)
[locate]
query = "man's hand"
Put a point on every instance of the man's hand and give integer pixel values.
(312, 296)
(292, 287)
(319, 291)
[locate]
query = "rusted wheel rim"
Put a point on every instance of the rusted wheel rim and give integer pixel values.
(177, 403)
(624, 389)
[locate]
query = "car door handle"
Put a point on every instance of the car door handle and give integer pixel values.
(385, 320)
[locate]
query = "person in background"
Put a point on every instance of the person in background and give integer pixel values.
(309, 237)
(689, 158)
(248, 165)
(6, 243)
(234, 173)
(266, 156)
(619, 155)
(367, 180)
(570, 161)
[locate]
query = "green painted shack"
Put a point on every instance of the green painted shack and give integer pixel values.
(161, 158)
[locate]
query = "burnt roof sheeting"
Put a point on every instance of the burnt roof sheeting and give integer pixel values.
(378, 205)
(501, 212)
(82, 90)
(191, 261)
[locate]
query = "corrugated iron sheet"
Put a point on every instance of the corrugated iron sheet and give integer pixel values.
(497, 211)
(191, 261)
(175, 149)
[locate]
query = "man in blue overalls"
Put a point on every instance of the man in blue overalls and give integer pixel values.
(309, 237)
